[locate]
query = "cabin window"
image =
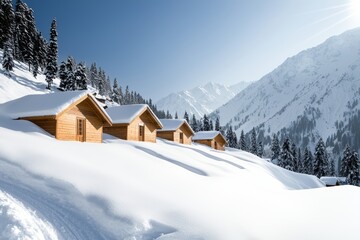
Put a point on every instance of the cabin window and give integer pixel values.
(141, 133)
(181, 137)
(80, 129)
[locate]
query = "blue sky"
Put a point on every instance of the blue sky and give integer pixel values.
(162, 46)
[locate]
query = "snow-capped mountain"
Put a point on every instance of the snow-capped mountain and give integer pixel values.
(307, 94)
(200, 100)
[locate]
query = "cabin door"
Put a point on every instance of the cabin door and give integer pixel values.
(215, 145)
(181, 137)
(80, 129)
(141, 133)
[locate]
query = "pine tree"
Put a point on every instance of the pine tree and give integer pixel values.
(260, 149)
(320, 162)
(176, 115)
(42, 54)
(295, 158)
(8, 60)
(35, 55)
(21, 35)
(30, 37)
(211, 125)
(331, 168)
(70, 80)
(115, 95)
(253, 142)
(275, 149)
(350, 166)
(217, 124)
(242, 140)
(206, 123)
(286, 159)
(307, 162)
(63, 75)
(52, 55)
(300, 162)
(231, 138)
(7, 20)
(186, 117)
(354, 171)
(80, 77)
(194, 124)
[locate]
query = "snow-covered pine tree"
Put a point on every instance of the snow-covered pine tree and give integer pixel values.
(253, 142)
(242, 141)
(260, 149)
(7, 20)
(42, 54)
(275, 149)
(231, 138)
(349, 166)
(31, 34)
(52, 55)
(295, 158)
(115, 92)
(70, 80)
(186, 117)
(63, 75)
(93, 75)
(217, 124)
(300, 161)
(80, 77)
(211, 125)
(35, 55)
(307, 162)
(286, 158)
(8, 60)
(320, 162)
(127, 95)
(353, 176)
(331, 168)
(20, 33)
(194, 124)
(206, 123)
(168, 115)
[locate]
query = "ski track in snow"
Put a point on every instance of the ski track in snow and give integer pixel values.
(68, 219)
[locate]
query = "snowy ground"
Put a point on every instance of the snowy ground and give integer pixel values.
(135, 190)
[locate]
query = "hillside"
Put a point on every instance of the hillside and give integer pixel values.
(200, 100)
(137, 190)
(305, 96)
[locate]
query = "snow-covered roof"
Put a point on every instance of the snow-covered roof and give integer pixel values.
(51, 104)
(205, 135)
(330, 181)
(125, 114)
(173, 124)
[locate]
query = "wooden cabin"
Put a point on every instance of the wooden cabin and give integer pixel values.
(176, 130)
(333, 181)
(135, 122)
(71, 116)
(213, 139)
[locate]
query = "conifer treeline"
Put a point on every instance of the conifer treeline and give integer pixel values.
(21, 40)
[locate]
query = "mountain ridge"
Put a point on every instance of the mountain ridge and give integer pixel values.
(200, 100)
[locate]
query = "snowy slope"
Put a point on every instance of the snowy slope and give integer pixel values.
(18, 222)
(318, 85)
(137, 190)
(200, 100)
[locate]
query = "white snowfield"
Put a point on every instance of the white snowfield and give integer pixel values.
(137, 190)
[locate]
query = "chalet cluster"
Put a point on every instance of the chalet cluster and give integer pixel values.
(79, 116)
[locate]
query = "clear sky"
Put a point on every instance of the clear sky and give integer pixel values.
(162, 46)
